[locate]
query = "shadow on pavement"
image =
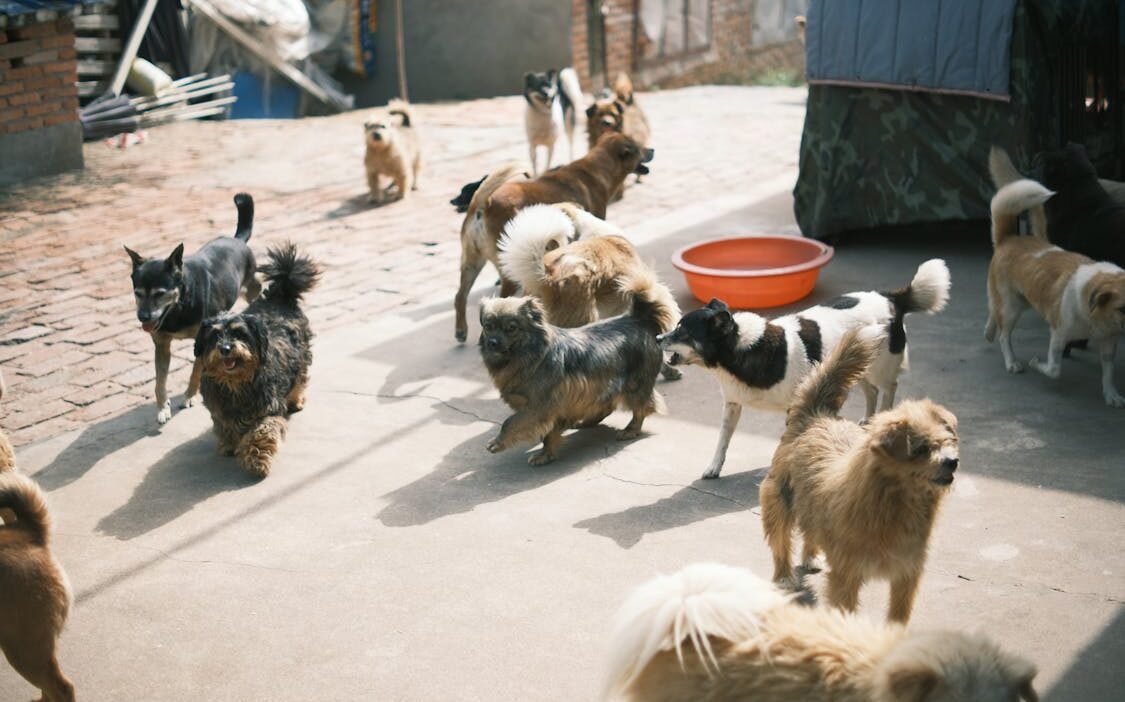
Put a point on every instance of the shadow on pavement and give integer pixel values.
(187, 475)
(455, 486)
(1097, 673)
(95, 443)
(701, 500)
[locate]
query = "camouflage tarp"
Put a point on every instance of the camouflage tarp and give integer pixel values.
(875, 157)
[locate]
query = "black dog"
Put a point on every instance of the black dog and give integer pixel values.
(1082, 217)
(175, 294)
(255, 365)
(461, 202)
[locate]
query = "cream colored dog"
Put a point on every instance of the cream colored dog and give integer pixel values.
(715, 633)
(1079, 298)
(866, 495)
(392, 151)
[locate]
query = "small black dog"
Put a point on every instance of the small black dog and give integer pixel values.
(461, 202)
(556, 378)
(256, 364)
(174, 295)
(1082, 217)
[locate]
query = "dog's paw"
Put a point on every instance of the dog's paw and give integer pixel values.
(1014, 367)
(628, 434)
(540, 458)
(191, 401)
(495, 446)
(461, 335)
(1044, 368)
(671, 373)
(713, 471)
(1114, 399)
(164, 414)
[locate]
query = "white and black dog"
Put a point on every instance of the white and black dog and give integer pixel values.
(552, 97)
(760, 362)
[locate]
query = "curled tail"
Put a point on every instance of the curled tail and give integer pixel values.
(23, 497)
(1013, 198)
(928, 291)
(652, 301)
(402, 109)
(526, 240)
(245, 206)
(571, 88)
(492, 183)
(823, 392)
(686, 610)
(586, 224)
(1004, 172)
(623, 88)
(289, 274)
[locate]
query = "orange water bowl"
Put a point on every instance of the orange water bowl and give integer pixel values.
(752, 272)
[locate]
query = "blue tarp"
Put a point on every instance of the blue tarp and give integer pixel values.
(950, 46)
(22, 7)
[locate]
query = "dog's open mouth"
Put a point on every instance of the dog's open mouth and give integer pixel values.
(675, 359)
(230, 364)
(148, 326)
(944, 480)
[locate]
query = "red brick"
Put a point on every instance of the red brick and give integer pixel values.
(19, 49)
(44, 56)
(7, 87)
(114, 404)
(42, 363)
(44, 430)
(81, 397)
(26, 72)
(42, 109)
(35, 414)
(27, 98)
(68, 53)
(59, 67)
(32, 31)
(62, 40)
(60, 119)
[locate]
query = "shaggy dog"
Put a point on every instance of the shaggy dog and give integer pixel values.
(256, 364)
(588, 182)
(35, 596)
(714, 632)
(865, 495)
(556, 379)
(574, 263)
(392, 151)
(759, 362)
(1079, 298)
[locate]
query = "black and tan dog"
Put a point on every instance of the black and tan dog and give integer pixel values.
(174, 295)
(556, 379)
(256, 364)
(36, 596)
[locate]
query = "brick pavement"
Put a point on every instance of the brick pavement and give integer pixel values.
(70, 348)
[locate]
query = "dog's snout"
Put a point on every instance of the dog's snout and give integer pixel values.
(950, 462)
(649, 153)
(224, 349)
(491, 343)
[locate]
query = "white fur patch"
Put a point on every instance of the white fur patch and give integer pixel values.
(1044, 252)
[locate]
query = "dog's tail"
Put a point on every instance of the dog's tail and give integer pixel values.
(526, 240)
(571, 88)
(403, 109)
(290, 274)
(1013, 198)
(23, 498)
(928, 291)
(823, 392)
(245, 206)
(623, 88)
(493, 182)
(652, 301)
(1004, 172)
(586, 224)
(688, 609)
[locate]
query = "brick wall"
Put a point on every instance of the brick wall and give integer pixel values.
(731, 57)
(38, 79)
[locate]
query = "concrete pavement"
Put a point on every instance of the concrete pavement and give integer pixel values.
(390, 557)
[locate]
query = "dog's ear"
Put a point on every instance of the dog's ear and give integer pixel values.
(912, 682)
(259, 334)
(532, 311)
(176, 260)
(722, 321)
(591, 110)
(1100, 297)
(897, 441)
(551, 73)
(137, 258)
(206, 329)
(620, 105)
(717, 304)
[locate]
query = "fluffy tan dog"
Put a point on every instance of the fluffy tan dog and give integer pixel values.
(392, 151)
(716, 633)
(588, 182)
(34, 593)
(1079, 298)
(865, 495)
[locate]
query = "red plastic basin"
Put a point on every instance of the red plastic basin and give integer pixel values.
(752, 272)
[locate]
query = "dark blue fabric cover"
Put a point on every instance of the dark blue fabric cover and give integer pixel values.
(959, 46)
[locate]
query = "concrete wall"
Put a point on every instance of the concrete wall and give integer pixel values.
(467, 49)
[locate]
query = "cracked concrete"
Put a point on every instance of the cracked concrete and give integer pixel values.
(390, 557)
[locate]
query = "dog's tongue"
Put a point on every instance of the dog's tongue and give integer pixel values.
(148, 326)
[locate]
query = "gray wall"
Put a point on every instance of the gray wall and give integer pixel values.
(40, 152)
(459, 49)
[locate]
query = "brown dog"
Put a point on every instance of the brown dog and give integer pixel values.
(588, 182)
(34, 593)
(1080, 298)
(713, 632)
(618, 112)
(865, 495)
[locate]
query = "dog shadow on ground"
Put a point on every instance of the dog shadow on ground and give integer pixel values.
(97, 441)
(703, 499)
(183, 478)
(353, 205)
(456, 487)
